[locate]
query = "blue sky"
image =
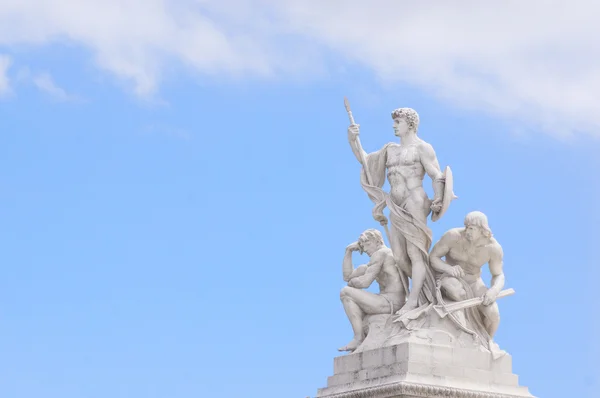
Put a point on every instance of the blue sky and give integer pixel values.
(179, 232)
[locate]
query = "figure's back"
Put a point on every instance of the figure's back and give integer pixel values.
(389, 279)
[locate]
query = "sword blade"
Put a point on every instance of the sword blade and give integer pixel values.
(443, 311)
(347, 105)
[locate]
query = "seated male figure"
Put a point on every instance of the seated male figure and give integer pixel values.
(381, 268)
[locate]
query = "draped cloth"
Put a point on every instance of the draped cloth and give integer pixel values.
(402, 222)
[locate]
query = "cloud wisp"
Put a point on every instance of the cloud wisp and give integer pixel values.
(45, 83)
(534, 62)
(5, 62)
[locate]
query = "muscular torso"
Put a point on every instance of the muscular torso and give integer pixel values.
(405, 174)
(470, 258)
(389, 277)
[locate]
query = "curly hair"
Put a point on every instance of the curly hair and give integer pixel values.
(410, 115)
(371, 235)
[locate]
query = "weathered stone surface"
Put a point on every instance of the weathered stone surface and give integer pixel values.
(412, 369)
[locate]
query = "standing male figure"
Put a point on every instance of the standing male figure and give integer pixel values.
(406, 164)
(466, 251)
(381, 268)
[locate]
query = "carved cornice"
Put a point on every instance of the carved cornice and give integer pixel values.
(419, 390)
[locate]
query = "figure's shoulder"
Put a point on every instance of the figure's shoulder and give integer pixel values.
(388, 252)
(390, 145)
(383, 151)
(425, 148)
(423, 144)
(453, 235)
(382, 254)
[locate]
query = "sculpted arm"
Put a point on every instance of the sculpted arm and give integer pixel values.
(496, 264)
(358, 271)
(441, 249)
(355, 145)
(373, 269)
(496, 269)
(432, 168)
(348, 270)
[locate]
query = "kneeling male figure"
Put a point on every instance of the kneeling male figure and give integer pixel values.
(466, 250)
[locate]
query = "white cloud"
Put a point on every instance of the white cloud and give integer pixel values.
(46, 84)
(5, 62)
(535, 61)
(134, 39)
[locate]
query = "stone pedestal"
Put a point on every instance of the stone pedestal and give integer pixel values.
(377, 329)
(423, 370)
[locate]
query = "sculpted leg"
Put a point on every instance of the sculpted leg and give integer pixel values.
(419, 272)
(357, 303)
(369, 303)
(490, 314)
(355, 316)
(491, 318)
(453, 289)
(418, 206)
(398, 246)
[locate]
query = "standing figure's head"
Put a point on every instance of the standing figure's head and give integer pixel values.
(405, 120)
(370, 241)
(476, 226)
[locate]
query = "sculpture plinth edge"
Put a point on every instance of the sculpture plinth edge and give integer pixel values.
(409, 389)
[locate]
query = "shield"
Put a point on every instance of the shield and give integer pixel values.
(448, 195)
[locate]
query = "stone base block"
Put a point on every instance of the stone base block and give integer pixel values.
(377, 329)
(423, 370)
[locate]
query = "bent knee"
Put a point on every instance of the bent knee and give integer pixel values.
(460, 295)
(346, 292)
(456, 294)
(454, 289)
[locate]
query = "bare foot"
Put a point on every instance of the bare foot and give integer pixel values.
(353, 345)
(409, 306)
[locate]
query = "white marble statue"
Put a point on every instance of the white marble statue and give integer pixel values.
(436, 340)
(466, 250)
(381, 268)
(406, 164)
